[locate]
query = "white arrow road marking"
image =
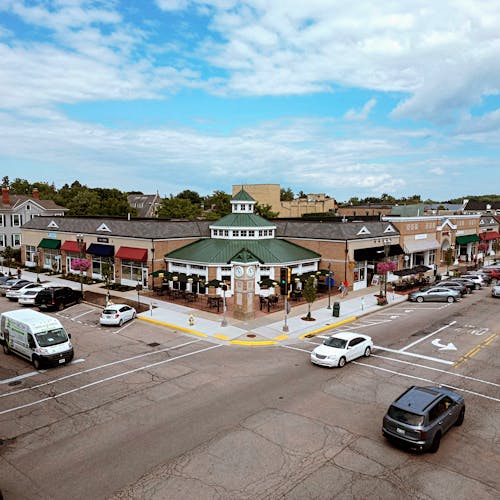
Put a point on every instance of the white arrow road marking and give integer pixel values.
(444, 347)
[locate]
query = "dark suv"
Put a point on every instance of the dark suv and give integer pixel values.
(57, 297)
(421, 415)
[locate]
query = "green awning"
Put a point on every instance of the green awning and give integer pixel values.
(50, 243)
(468, 238)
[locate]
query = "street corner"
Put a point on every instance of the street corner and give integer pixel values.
(327, 327)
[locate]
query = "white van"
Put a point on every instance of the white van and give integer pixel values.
(38, 337)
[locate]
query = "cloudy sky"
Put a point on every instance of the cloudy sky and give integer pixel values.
(346, 98)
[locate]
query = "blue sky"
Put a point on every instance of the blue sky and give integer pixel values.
(324, 96)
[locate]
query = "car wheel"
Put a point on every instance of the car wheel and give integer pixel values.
(420, 299)
(460, 419)
(435, 443)
(79, 300)
(37, 364)
(476, 286)
(450, 299)
(120, 323)
(134, 316)
(341, 362)
(368, 351)
(6, 349)
(60, 306)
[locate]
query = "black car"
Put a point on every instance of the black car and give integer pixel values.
(57, 297)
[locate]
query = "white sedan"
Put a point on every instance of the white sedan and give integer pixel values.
(16, 291)
(117, 314)
(27, 298)
(340, 348)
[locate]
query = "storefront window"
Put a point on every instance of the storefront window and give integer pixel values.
(131, 270)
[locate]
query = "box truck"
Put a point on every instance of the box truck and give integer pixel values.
(37, 337)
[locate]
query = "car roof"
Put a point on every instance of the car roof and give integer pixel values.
(347, 335)
(115, 306)
(418, 399)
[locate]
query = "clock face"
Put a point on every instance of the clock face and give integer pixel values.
(250, 272)
(238, 271)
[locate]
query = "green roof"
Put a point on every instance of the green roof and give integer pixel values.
(242, 195)
(243, 221)
(218, 251)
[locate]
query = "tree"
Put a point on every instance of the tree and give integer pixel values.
(178, 208)
(286, 194)
(265, 211)
(219, 203)
(192, 196)
(449, 258)
(310, 293)
(302, 194)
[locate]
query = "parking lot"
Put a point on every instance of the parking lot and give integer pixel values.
(145, 412)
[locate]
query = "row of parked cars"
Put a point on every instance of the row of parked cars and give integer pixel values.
(48, 296)
(454, 288)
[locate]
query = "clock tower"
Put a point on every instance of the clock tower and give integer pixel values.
(244, 290)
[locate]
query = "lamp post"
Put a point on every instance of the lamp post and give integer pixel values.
(329, 285)
(79, 240)
(224, 320)
(35, 256)
(387, 247)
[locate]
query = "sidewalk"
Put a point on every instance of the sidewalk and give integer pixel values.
(266, 330)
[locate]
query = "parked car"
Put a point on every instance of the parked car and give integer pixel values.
(340, 348)
(422, 415)
(27, 298)
(455, 285)
(117, 314)
(11, 282)
(435, 293)
(486, 276)
(15, 291)
(471, 285)
(495, 291)
(57, 297)
(476, 278)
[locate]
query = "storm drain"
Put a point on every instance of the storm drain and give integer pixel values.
(251, 335)
(153, 344)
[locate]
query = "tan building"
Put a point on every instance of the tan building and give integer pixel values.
(269, 194)
(371, 209)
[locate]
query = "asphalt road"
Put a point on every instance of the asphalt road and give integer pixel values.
(143, 412)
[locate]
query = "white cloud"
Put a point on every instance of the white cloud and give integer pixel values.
(363, 114)
(437, 171)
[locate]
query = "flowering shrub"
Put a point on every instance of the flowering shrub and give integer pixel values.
(384, 267)
(80, 264)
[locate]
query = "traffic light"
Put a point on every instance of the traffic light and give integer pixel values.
(284, 280)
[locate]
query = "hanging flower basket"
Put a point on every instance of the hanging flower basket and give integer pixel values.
(80, 264)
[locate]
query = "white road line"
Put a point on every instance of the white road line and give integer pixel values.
(19, 377)
(427, 380)
(88, 370)
(297, 348)
(83, 314)
(107, 379)
(414, 355)
(437, 370)
(427, 336)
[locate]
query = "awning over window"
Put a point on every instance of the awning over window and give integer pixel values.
(131, 253)
(49, 243)
(489, 235)
(101, 250)
(468, 238)
(72, 246)
(421, 245)
(376, 253)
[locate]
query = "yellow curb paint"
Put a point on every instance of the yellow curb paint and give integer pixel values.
(221, 337)
(253, 343)
(281, 337)
(328, 327)
(175, 327)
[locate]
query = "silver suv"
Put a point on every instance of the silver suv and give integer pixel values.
(421, 415)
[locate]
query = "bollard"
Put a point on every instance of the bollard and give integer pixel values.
(191, 320)
(336, 309)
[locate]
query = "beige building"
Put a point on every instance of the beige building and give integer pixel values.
(269, 194)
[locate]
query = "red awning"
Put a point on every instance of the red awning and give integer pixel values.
(489, 235)
(131, 253)
(72, 246)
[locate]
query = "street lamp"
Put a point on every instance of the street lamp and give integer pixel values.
(329, 285)
(35, 256)
(224, 320)
(387, 247)
(79, 240)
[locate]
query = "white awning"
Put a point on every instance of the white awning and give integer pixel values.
(421, 245)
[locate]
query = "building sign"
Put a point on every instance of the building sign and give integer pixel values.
(102, 240)
(52, 235)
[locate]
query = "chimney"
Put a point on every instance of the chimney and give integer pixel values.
(5, 196)
(36, 194)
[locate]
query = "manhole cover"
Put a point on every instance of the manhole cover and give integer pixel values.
(153, 344)
(251, 335)
(15, 382)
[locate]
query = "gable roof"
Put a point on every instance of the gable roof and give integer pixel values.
(16, 200)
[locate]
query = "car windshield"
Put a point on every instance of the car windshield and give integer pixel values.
(335, 342)
(405, 417)
(52, 337)
(109, 311)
